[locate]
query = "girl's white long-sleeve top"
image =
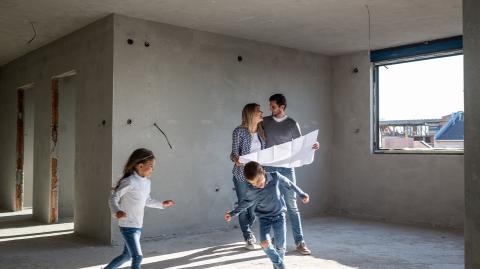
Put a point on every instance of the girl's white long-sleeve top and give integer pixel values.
(131, 197)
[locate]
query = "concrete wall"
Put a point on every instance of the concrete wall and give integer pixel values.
(6, 202)
(471, 42)
(191, 84)
(66, 146)
(421, 189)
(90, 52)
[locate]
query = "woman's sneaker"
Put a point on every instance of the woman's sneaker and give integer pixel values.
(250, 243)
(302, 249)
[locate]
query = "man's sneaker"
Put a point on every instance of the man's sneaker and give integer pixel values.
(302, 249)
(250, 243)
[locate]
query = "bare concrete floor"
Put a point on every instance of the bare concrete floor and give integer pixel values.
(337, 243)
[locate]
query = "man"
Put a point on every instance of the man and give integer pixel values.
(279, 128)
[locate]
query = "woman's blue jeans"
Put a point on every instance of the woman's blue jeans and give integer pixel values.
(247, 217)
(132, 249)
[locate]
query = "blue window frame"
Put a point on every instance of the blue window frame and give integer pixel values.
(404, 54)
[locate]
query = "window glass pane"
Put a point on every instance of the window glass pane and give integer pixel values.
(421, 104)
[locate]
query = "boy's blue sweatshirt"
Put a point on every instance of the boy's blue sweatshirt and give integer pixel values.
(268, 201)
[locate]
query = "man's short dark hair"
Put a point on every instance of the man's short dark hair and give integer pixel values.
(252, 170)
(279, 99)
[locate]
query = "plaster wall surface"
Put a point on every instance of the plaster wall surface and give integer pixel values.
(418, 189)
(191, 84)
(89, 51)
(471, 41)
(66, 146)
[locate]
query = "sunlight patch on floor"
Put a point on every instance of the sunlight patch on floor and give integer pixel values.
(35, 231)
(227, 256)
(25, 211)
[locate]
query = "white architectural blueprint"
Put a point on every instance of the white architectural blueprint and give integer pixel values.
(295, 153)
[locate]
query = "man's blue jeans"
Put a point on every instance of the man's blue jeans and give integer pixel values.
(291, 202)
(247, 217)
(275, 253)
(132, 249)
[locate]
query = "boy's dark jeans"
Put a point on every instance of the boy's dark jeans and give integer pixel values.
(275, 253)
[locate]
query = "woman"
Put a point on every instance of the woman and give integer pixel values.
(247, 138)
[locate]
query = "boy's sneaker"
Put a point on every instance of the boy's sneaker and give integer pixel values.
(250, 243)
(302, 249)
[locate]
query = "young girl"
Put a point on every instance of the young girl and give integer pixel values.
(127, 203)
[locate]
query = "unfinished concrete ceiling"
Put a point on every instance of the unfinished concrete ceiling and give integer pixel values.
(330, 27)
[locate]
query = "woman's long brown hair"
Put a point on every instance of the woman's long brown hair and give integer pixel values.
(138, 156)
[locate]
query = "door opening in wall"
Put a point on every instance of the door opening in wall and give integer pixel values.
(24, 154)
(62, 150)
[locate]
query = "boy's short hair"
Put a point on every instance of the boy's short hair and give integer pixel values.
(252, 170)
(279, 99)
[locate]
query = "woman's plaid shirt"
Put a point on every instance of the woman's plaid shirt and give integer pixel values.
(241, 143)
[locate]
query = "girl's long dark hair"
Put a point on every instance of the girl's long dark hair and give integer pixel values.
(138, 156)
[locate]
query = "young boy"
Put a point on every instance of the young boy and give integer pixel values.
(264, 193)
